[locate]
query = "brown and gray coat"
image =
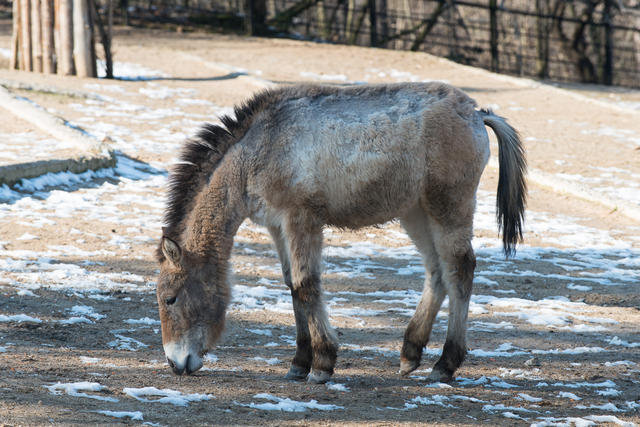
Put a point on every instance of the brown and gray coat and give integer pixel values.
(298, 158)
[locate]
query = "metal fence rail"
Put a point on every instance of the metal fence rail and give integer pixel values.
(590, 44)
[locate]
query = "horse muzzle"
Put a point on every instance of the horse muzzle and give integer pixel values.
(181, 360)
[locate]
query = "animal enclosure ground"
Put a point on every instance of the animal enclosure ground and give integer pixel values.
(553, 334)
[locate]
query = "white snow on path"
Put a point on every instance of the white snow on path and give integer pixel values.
(146, 321)
(126, 343)
(172, 397)
(77, 389)
(287, 405)
(19, 318)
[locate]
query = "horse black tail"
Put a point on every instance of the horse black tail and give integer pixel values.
(512, 187)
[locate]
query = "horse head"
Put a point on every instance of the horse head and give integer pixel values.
(192, 304)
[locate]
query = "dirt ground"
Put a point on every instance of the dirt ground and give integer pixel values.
(553, 333)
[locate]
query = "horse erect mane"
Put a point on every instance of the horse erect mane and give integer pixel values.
(199, 158)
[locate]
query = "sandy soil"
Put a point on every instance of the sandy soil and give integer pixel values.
(107, 228)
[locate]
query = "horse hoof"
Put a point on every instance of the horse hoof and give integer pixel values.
(408, 366)
(318, 377)
(297, 373)
(437, 376)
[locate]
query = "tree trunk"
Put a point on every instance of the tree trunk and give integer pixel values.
(15, 37)
(105, 36)
(48, 64)
(82, 39)
(25, 34)
(65, 62)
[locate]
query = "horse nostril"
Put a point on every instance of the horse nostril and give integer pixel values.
(174, 367)
(186, 366)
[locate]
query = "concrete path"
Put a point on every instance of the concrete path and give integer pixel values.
(45, 143)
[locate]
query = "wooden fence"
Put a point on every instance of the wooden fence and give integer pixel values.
(57, 36)
(595, 41)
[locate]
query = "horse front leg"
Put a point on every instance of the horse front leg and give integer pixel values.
(301, 364)
(305, 249)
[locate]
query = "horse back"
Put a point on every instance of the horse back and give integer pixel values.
(364, 155)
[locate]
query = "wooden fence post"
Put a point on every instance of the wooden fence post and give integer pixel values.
(36, 36)
(493, 36)
(82, 39)
(65, 62)
(25, 34)
(15, 37)
(48, 64)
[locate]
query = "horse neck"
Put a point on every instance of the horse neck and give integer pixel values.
(217, 214)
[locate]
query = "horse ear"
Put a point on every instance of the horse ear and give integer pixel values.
(171, 250)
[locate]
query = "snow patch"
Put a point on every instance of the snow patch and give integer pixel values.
(287, 405)
(19, 318)
(143, 321)
(76, 389)
(173, 397)
(337, 386)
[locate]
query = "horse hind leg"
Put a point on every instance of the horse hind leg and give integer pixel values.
(304, 238)
(416, 336)
(301, 364)
(458, 262)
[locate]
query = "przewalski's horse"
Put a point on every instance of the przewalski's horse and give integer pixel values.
(298, 158)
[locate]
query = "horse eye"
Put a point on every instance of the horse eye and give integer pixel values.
(170, 301)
